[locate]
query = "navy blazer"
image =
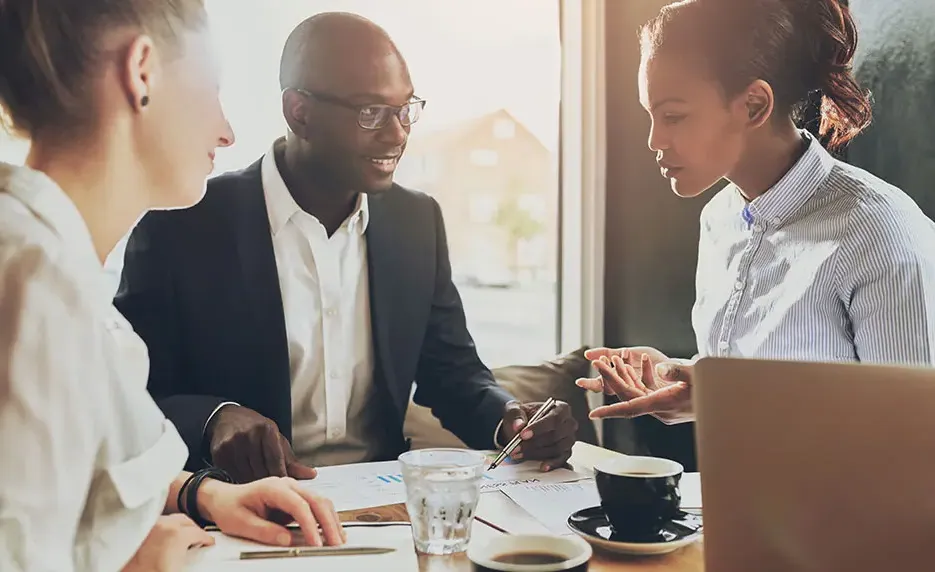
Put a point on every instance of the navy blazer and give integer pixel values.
(200, 286)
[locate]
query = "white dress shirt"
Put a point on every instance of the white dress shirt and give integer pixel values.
(831, 264)
(87, 455)
(326, 302)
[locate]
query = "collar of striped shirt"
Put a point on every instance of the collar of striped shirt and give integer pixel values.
(794, 189)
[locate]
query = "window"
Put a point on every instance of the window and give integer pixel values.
(484, 157)
(483, 208)
(535, 206)
(12, 150)
(486, 129)
(504, 129)
(487, 132)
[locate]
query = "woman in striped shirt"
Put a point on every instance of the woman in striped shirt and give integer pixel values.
(801, 256)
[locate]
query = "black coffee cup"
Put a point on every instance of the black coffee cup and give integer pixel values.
(530, 553)
(639, 495)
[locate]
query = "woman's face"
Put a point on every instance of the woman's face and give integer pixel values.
(184, 124)
(696, 133)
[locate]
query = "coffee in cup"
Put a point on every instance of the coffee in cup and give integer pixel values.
(639, 495)
(530, 553)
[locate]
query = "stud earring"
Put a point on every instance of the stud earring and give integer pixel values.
(144, 101)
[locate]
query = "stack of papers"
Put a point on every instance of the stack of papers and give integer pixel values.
(552, 503)
(367, 485)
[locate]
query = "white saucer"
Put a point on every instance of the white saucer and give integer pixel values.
(592, 525)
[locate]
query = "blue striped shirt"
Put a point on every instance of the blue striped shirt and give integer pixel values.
(830, 264)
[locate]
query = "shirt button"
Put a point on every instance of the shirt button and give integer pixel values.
(333, 374)
(758, 228)
(723, 345)
(738, 285)
(330, 312)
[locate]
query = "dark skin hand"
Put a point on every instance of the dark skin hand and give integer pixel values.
(250, 447)
(548, 440)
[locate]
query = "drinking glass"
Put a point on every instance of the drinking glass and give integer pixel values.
(442, 488)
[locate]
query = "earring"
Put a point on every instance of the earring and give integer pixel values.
(144, 101)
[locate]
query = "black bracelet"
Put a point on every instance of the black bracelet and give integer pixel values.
(179, 500)
(190, 492)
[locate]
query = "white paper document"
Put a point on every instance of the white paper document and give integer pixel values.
(552, 503)
(690, 487)
(225, 554)
(366, 485)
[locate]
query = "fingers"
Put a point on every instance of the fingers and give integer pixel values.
(256, 463)
(564, 453)
(657, 401)
(614, 380)
(254, 527)
(548, 422)
(514, 418)
(274, 459)
(290, 501)
(552, 436)
(648, 372)
(194, 536)
(554, 444)
(597, 353)
(297, 470)
(625, 409)
(237, 464)
(592, 384)
(327, 517)
(633, 380)
(184, 531)
(674, 371)
(293, 467)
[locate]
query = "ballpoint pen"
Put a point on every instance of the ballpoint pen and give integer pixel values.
(514, 442)
(316, 551)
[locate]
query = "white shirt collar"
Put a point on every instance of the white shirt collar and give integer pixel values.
(797, 186)
(282, 207)
(55, 209)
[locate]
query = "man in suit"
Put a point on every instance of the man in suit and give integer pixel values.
(288, 314)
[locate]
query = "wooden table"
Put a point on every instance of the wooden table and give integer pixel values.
(689, 559)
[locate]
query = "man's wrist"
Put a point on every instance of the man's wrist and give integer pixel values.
(208, 429)
(496, 436)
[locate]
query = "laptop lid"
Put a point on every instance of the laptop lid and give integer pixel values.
(816, 467)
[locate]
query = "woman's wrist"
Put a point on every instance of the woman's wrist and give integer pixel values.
(207, 497)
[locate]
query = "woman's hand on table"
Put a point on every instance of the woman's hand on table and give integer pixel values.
(260, 510)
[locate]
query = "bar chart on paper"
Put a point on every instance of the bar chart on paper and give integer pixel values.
(365, 485)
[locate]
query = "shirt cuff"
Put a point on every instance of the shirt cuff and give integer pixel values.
(206, 453)
(496, 435)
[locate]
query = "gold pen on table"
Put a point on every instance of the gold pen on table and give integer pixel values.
(514, 442)
(315, 551)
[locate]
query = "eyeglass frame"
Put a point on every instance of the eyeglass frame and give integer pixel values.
(359, 108)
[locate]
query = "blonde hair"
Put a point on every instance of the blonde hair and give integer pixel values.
(50, 47)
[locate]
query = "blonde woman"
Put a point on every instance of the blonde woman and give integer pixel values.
(120, 102)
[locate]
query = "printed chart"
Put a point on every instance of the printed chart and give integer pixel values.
(364, 485)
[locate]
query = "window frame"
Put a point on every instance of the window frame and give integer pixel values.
(582, 175)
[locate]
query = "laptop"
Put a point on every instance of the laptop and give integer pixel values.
(816, 467)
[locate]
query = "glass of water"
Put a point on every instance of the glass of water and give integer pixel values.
(442, 488)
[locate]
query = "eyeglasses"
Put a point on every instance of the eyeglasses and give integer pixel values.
(376, 115)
